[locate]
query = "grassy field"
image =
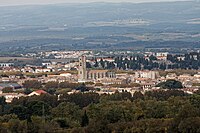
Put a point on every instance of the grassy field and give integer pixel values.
(5, 59)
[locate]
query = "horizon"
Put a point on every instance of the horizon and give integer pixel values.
(50, 2)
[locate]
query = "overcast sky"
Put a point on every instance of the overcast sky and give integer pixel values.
(28, 2)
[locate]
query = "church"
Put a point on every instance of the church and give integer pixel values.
(93, 75)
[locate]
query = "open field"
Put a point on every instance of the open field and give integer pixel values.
(5, 59)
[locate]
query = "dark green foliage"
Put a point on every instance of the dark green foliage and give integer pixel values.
(2, 100)
(62, 123)
(152, 57)
(152, 112)
(189, 125)
(27, 91)
(20, 111)
(164, 95)
(84, 120)
(170, 84)
(69, 85)
(82, 88)
(81, 99)
(52, 85)
(102, 63)
(7, 90)
(140, 62)
(142, 126)
(138, 95)
(2, 104)
(117, 96)
(96, 63)
(88, 65)
(17, 126)
(195, 100)
(186, 112)
(38, 108)
(51, 91)
(69, 111)
(32, 84)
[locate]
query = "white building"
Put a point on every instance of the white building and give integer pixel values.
(147, 74)
(162, 56)
(6, 64)
(10, 96)
(42, 70)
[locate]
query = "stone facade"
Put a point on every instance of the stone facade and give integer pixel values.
(85, 75)
(147, 74)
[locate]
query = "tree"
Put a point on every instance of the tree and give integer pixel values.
(190, 125)
(17, 126)
(152, 57)
(51, 85)
(27, 91)
(69, 85)
(32, 84)
(164, 95)
(67, 110)
(51, 91)
(85, 120)
(50, 100)
(67, 114)
(7, 90)
(38, 108)
(119, 96)
(81, 99)
(82, 88)
(41, 125)
(138, 95)
(188, 111)
(20, 111)
(36, 124)
(88, 65)
(2, 103)
(156, 109)
(195, 100)
(96, 63)
(170, 84)
(102, 63)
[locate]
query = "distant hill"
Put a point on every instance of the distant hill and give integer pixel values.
(113, 25)
(85, 14)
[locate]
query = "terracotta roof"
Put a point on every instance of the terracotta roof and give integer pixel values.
(41, 92)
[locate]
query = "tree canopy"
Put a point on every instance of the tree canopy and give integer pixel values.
(170, 84)
(150, 112)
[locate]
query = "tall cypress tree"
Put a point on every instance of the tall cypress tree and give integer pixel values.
(85, 120)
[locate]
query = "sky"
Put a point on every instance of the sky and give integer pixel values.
(36, 2)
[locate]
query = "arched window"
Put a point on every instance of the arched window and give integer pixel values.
(95, 76)
(91, 75)
(102, 75)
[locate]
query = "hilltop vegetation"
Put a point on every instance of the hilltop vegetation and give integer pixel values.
(157, 111)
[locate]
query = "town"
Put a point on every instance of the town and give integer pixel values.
(89, 71)
(99, 66)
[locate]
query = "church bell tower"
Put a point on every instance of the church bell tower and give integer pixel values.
(82, 72)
